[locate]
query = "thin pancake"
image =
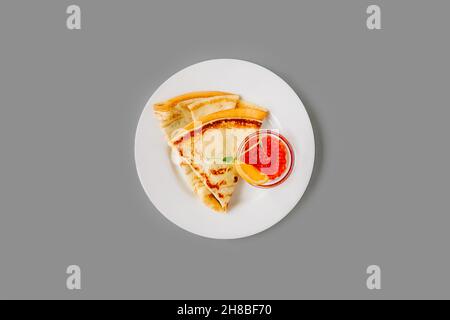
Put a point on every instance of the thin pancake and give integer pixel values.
(206, 106)
(173, 115)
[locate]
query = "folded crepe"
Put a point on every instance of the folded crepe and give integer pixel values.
(223, 120)
(209, 147)
(204, 106)
(173, 115)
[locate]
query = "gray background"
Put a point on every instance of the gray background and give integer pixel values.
(69, 192)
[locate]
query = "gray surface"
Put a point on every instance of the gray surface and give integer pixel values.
(69, 192)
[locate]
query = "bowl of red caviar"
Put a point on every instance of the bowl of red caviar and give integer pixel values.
(265, 158)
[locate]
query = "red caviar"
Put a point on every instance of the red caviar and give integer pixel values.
(267, 154)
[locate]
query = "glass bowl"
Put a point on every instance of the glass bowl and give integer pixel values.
(250, 142)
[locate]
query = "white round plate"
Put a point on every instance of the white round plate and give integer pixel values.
(252, 210)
